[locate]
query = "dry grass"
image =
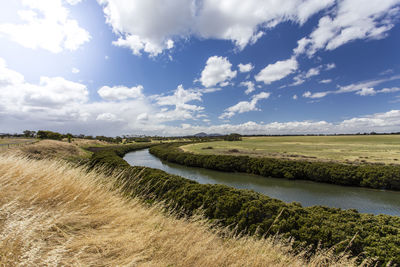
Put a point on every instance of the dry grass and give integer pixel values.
(53, 214)
(87, 143)
(51, 149)
(350, 149)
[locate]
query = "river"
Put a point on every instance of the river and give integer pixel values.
(307, 193)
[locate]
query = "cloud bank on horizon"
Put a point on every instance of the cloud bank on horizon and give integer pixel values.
(181, 67)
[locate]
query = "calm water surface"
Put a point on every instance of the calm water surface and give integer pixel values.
(306, 192)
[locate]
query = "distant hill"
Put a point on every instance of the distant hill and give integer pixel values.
(202, 134)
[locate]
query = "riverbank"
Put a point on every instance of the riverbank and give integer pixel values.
(54, 214)
(307, 193)
(364, 235)
(365, 175)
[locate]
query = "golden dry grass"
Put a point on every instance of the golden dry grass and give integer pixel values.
(52, 214)
(51, 149)
(87, 143)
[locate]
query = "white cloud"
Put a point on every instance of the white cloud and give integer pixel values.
(120, 92)
(244, 106)
(9, 77)
(180, 100)
(46, 26)
(107, 117)
(75, 70)
(148, 25)
(245, 67)
(151, 27)
(379, 122)
(294, 97)
(277, 71)
(308, 94)
(250, 87)
(143, 117)
(366, 91)
(372, 91)
(352, 20)
(363, 88)
(217, 71)
(303, 76)
(73, 2)
(330, 66)
(312, 72)
(325, 81)
(61, 105)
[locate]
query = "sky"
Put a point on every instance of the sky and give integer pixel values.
(179, 67)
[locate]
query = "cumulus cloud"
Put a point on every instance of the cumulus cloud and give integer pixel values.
(120, 92)
(244, 106)
(379, 122)
(180, 100)
(250, 87)
(217, 71)
(46, 25)
(245, 67)
(107, 117)
(151, 27)
(277, 71)
(75, 70)
(61, 105)
(352, 20)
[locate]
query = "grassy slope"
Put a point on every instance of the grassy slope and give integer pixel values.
(371, 148)
(53, 214)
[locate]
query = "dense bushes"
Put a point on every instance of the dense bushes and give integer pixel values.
(233, 137)
(49, 135)
(364, 235)
(366, 175)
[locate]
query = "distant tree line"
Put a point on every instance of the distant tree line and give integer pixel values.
(363, 235)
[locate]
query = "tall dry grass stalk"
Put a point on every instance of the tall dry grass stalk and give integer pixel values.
(54, 214)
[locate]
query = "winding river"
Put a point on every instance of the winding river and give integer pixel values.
(305, 192)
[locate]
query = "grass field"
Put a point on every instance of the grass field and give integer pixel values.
(356, 148)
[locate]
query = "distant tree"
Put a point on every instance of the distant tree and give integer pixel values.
(49, 135)
(28, 133)
(69, 137)
(233, 137)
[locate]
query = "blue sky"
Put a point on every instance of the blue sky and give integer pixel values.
(118, 67)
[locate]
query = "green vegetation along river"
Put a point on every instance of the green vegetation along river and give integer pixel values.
(305, 192)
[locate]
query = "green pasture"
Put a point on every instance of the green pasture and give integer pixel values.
(351, 148)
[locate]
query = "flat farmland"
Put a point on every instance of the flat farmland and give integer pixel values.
(349, 148)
